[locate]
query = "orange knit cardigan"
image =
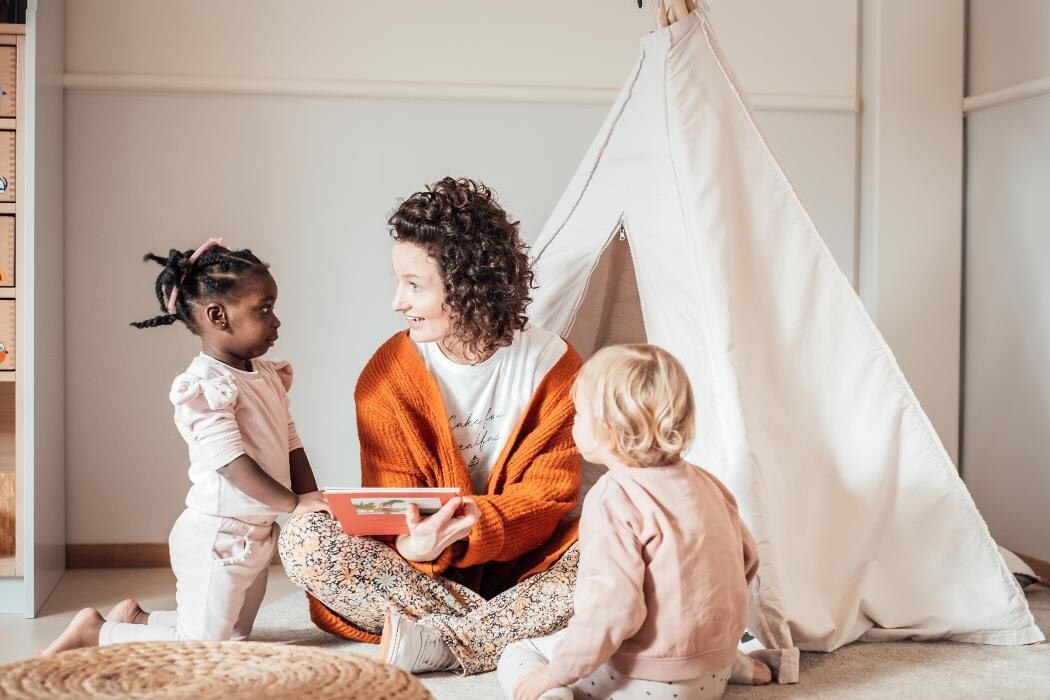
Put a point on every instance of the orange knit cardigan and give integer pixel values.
(406, 441)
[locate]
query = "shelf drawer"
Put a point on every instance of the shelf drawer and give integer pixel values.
(7, 250)
(7, 166)
(9, 81)
(7, 335)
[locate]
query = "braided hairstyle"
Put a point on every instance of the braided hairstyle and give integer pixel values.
(217, 273)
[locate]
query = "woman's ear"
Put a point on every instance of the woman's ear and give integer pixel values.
(215, 313)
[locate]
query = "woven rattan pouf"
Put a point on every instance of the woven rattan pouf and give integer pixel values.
(202, 670)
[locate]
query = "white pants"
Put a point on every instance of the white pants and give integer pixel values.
(220, 567)
(522, 658)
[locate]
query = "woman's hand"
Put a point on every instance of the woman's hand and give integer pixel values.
(313, 502)
(534, 685)
(428, 537)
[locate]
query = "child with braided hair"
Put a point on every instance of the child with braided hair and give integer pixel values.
(247, 464)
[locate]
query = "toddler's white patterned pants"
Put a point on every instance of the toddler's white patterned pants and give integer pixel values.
(522, 658)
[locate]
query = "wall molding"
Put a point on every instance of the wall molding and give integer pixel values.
(805, 103)
(1013, 93)
(293, 87)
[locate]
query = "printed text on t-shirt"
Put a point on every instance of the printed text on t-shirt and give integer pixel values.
(479, 440)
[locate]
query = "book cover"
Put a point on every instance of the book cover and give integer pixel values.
(381, 511)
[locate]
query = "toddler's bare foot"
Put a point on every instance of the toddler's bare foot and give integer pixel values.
(748, 670)
(83, 631)
(128, 610)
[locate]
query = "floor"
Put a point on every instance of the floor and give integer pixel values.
(101, 588)
(913, 670)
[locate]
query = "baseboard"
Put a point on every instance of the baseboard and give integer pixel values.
(117, 556)
(139, 555)
(133, 555)
(1040, 567)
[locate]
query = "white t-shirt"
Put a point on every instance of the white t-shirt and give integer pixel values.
(222, 412)
(485, 401)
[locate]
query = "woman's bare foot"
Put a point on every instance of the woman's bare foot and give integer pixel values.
(83, 631)
(128, 610)
(748, 670)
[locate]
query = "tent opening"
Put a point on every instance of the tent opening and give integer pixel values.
(610, 311)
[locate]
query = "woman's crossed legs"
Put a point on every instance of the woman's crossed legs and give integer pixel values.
(361, 579)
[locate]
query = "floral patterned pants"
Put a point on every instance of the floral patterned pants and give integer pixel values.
(360, 578)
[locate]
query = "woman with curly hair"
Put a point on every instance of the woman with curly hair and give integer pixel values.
(470, 396)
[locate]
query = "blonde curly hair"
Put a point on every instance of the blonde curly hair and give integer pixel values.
(639, 396)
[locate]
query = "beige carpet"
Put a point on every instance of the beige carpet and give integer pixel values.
(904, 670)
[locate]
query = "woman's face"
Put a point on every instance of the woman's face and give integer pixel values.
(420, 295)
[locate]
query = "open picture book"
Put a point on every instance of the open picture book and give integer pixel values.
(381, 511)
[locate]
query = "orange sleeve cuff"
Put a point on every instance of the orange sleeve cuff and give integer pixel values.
(437, 567)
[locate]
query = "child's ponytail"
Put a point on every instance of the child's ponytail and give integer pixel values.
(190, 276)
(175, 266)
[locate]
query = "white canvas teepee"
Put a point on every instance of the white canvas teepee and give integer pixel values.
(681, 229)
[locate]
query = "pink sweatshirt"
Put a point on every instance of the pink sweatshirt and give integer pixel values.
(661, 592)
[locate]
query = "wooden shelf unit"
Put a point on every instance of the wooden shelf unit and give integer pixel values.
(32, 399)
(12, 167)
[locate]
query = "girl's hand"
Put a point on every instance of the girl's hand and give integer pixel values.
(313, 502)
(534, 685)
(428, 537)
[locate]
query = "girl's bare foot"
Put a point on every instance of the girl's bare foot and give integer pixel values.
(83, 631)
(748, 670)
(128, 610)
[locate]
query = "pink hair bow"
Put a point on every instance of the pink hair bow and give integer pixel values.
(210, 243)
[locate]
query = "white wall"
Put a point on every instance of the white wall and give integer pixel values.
(802, 47)
(195, 119)
(912, 70)
(1006, 443)
(1007, 44)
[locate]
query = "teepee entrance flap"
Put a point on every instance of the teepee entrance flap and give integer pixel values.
(610, 311)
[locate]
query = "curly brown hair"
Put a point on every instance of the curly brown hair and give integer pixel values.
(482, 259)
